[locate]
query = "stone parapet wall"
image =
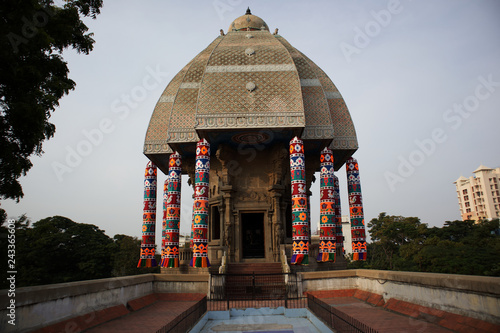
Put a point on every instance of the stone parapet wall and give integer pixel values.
(437, 297)
(42, 305)
(77, 302)
(181, 283)
(472, 296)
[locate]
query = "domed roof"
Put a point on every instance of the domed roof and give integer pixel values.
(250, 87)
(248, 22)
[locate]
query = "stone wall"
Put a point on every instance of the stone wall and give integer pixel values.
(41, 306)
(181, 283)
(472, 296)
(76, 303)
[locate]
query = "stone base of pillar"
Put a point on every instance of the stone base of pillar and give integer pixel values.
(185, 269)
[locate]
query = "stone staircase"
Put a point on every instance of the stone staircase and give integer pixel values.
(257, 268)
(255, 281)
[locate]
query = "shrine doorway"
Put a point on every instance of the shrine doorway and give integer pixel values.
(252, 235)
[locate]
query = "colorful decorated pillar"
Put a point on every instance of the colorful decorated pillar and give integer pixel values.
(300, 225)
(164, 220)
(309, 215)
(200, 205)
(338, 215)
(191, 242)
(356, 210)
(327, 208)
(170, 257)
(147, 258)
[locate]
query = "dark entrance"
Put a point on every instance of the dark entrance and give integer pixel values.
(252, 227)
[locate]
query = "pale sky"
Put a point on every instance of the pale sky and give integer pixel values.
(421, 80)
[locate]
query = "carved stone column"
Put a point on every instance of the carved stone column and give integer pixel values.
(276, 191)
(278, 235)
(228, 233)
(225, 155)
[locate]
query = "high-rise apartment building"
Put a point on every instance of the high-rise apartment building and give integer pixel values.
(479, 195)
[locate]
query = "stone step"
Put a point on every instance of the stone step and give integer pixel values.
(257, 268)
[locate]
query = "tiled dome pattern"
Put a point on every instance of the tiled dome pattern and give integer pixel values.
(250, 79)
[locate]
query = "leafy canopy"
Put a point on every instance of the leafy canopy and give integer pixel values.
(34, 76)
(459, 247)
(57, 249)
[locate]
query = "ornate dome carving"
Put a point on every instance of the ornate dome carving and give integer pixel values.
(227, 91)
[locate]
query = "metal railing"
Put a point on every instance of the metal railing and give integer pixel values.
(228, 291)
(339, 321)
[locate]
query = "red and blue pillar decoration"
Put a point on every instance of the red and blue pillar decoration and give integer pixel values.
(148, 247)
(300, 219)
(338, 215)
(356, 210)
(170, 258)
(200, 205)
(164, 220)
(327, 216)
(192, 231)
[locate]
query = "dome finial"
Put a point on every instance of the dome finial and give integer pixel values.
(248, 22)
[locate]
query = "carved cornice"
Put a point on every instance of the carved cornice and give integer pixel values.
(157, 147)
(344, 142)
(317, 132)
(244, 120)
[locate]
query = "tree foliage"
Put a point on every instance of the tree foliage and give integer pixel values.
(126, 255)
(57, 249)
(459, 247)
(34, 76)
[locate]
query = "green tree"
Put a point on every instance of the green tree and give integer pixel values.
(126, 256)
(391, 233)
(34, 76)
(19, 225)
(56, 250)
(459, 247)
(462, 247)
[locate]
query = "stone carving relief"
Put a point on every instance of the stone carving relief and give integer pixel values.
(251, 196)
(188, 165)
(226, 157)
(279, 166)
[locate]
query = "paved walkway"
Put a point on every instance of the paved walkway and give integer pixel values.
(380, 319)
(148, 319)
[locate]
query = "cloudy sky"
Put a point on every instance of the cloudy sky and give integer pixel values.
(421, 80)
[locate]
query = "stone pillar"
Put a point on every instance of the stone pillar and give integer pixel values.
(226, 214)
(173, 214)
(148, 247)
(236, 232)
(338, 215)
(200, 206)
(356, 210)
(300, 248)
(280, 161)
(225, 155)
(277, 223)
(327, 208)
